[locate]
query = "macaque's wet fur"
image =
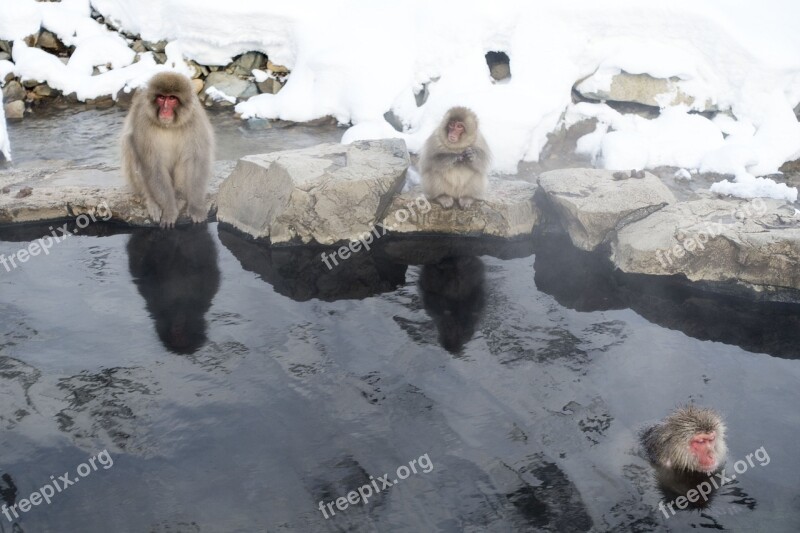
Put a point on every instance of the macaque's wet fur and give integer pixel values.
(691, 439)
(168, 149)
(454, 168)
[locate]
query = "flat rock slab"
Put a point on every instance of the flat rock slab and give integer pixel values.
(508, 211)
(640, 89)
(591, 204)
(53, 190)
(756, 242)
(324, 194)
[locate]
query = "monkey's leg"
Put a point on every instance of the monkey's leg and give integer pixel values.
(191, 182)
(161, 196)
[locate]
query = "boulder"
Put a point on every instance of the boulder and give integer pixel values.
(324, 194)
(230, 84)
(13, 91)
(640, 89)
(752, 241)
(591, 203)
(54, 190)
(508, 211)
(14, 110)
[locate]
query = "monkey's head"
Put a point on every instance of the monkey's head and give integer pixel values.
(170, 95)
(460, 128)
(694, 440)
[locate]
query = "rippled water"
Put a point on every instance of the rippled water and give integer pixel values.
(239, 388)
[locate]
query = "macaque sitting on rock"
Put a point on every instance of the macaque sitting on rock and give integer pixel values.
(455, 160)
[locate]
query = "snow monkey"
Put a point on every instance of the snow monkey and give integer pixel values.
(168, 149)
(455, 160)
(691, 439)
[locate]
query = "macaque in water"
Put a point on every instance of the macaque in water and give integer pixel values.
(455, 160)
(691, 439)
(168, 149)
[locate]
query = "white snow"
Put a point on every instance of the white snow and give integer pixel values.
(218, 95)
(357, 59)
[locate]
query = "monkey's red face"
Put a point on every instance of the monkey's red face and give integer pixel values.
(702, 448)
(167, 104)
(455, 129)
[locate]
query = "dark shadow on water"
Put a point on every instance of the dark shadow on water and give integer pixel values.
(453, 294)
(299, 273)
(177, 274)
(586, 282)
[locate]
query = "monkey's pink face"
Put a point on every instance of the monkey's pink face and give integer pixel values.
(455, 129)
(702, 448)
(167, 104)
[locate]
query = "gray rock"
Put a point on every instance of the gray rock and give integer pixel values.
(269, 86)
(13, 91)
(5, 56)
(245, 63)
(14, 110)
(756, 242)
(325, 194)
(157, 47)
(500, 71)
(508, 211)
(60, 190)
(229, 84)
(591, 203)
(643, 89)
(48, 41)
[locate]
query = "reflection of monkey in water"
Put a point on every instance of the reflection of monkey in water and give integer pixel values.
(177, 274)
(453, 295)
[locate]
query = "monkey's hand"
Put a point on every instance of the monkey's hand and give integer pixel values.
(467, 156)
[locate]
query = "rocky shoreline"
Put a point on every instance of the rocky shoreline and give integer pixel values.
(333, 194)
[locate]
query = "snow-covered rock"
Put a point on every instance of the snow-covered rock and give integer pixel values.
(641, 89)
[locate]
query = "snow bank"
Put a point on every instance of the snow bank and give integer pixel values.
(357, 59)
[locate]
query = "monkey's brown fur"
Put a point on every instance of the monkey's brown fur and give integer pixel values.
(168, 163)
(455, 170)
(667, 443)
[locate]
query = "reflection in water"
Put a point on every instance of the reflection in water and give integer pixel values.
(299, 273)
(673, 484)
(584, 281)
(177, 274)
(453, 294)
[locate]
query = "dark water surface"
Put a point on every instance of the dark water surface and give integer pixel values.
(223, 386)
(235, 387)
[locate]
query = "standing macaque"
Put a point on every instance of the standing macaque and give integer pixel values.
(455, 160)
(168, 149)
(691, 439)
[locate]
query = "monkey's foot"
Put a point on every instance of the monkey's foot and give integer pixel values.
(198, 214)
(154, 211)
(466, 202)
(168, 218)
(445, 201)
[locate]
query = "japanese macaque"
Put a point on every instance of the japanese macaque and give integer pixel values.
(168, 149)
(455, 160)
(691, 439)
